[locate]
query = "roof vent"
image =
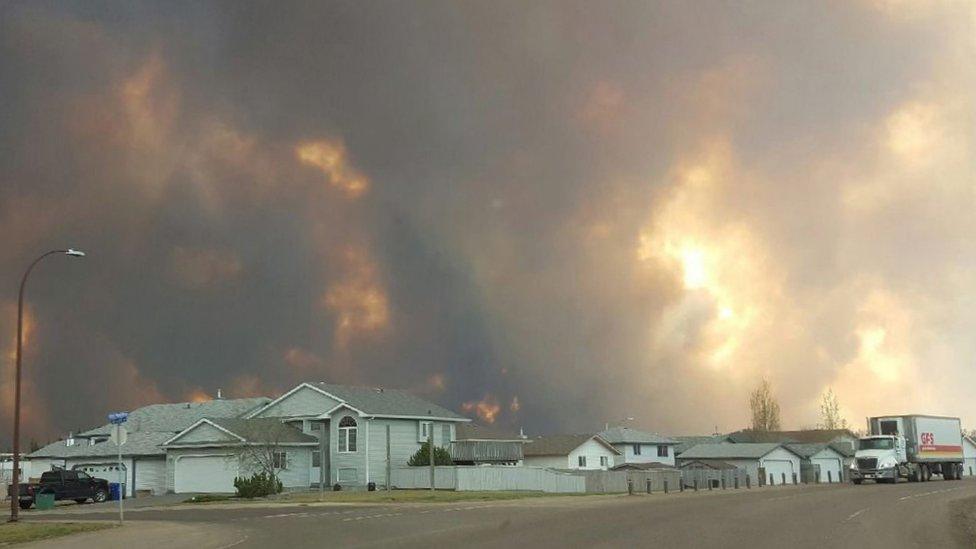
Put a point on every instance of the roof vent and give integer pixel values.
(218, 393)
(70, 441)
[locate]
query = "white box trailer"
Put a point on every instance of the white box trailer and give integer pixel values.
(912, 446)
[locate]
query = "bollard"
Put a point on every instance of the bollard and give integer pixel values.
(648, 486)
(723, 483)
(748, 482)
(970, 470)
(784, 479)
(665, 486)
(696, 484)
(709, 481)
(735, 482)
(630, 487)
(794, 478)
(830, 477)
(772, 480)
(681, 485)
(816, 475)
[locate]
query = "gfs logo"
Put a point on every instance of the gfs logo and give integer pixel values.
(927, 439)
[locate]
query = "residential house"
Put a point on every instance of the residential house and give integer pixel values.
(969, 456)
(768, 461)
(821, 462)
(570, 452)
(355, 429)
(837, 437)
(638, 447)
(143, 466)
(476, 444)
(686, 442)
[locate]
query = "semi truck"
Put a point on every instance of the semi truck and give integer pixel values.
(913, 446)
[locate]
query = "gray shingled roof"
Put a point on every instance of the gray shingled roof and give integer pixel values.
(686, 442)
(560, 445)
(254, 429)
(388, 402)
(746, 450)
(626, 435)
(803, 436)
(811, 449)
(173, 418)
(137, 444)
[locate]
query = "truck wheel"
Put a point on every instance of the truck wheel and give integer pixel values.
(947, 471)
(25, 504)
(926, 473)
(100, 496)
(913, 474)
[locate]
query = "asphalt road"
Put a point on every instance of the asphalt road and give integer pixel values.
(867, 516)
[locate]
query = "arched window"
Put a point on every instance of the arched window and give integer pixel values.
(347, 435)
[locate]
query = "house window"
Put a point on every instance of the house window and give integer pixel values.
(582, 461)
(446, 434)
(279, 460)
(426, 428)
(316, 458)
(637, 448)
(662, 451)
(347, 435)
(603, 461)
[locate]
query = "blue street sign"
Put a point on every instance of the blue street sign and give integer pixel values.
(118, 418)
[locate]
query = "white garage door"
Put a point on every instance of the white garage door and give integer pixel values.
(831, 465)
(205, 474)
(778, 468)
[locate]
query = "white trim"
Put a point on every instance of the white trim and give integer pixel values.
(328, 414)
(367, 451)
(288, 394)
(195, 425)
(236, 444)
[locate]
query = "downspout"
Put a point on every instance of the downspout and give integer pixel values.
(367, 452)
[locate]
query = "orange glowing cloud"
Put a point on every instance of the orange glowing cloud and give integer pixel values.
(331, 159)
(247, 385)
(196, 395)
(487, 409)
(358, 301)
(301, 359)
(515, 405)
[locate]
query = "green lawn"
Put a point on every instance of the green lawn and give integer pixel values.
(23, 532)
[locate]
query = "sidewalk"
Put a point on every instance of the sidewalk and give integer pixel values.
(151, 534)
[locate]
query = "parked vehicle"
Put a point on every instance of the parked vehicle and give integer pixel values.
(76, 485)
(910, 446)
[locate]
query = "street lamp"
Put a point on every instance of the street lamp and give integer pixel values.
(15, 485)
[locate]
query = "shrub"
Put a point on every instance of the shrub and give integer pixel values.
(257, 486)
(422, 457)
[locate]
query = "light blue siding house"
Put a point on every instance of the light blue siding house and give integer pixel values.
(348, 426)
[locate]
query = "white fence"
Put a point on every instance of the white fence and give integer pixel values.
(462, 478)
(615, 482)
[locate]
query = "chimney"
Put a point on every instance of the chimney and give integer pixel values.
(218, 393)
(70, 441)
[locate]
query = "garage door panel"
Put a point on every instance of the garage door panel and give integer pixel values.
(205, 474)
(831, 465)
(779, 468)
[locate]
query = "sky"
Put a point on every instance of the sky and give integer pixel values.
(546, 215)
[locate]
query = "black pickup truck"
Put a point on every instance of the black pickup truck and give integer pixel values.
(76, 485)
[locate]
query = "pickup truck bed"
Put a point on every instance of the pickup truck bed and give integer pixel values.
(76, 485)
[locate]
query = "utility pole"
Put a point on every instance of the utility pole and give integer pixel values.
(15, 473)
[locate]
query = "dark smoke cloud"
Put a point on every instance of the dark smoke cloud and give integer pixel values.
(603, 210)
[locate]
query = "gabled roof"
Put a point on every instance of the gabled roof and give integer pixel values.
(686, 442)
(139, 443)
(812, 449)
(477, 431)
(376, 401)
(562, 445)
(641, 466)
(802, 436)
(745, 450)
(706, 464)
(626, 435)
(174, 418)
(250, 430)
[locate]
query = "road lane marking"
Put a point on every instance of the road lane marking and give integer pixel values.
(923, 494)
(855, 515)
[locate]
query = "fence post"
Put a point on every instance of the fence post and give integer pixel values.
(648, 485)
(723, 482)
(696, 484)
(709, 481)
(772, 479)
(794, 477)
(630, 487)
(748, 482)
(816, 476)
(735, 481)
(830, 477)
(665, 486)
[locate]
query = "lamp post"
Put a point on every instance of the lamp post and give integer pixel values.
(15, 485)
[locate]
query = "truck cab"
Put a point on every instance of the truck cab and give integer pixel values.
(878, 458)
